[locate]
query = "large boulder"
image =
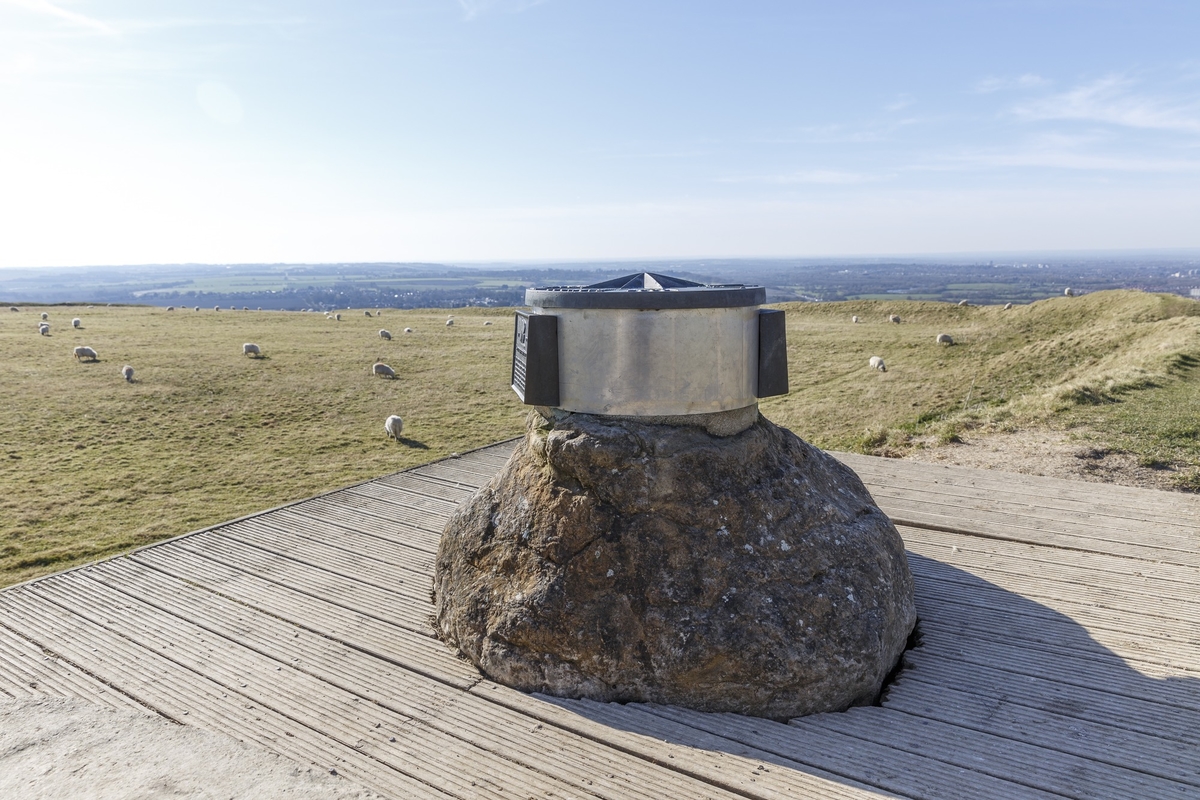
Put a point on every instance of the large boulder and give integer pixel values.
(623, 561)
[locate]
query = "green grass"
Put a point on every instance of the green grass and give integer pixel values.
(91, 465)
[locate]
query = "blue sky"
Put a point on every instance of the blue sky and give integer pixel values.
(149, 131)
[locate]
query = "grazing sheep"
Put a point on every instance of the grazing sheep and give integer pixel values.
(88, 307)
(45, 315)
(385, 335)
(170, 308)
(854, 319)
(368, 313)
(127, 373)
(197, 308)
(1007, 306)
(877, 363)
(449, 322)
(245, 308)
(393, 426)
(408, 330)
(337, 317)
(945, 338)
(75, 323)
(894, 318)
(82, 352)
(382, 370)
(963, 303)
(1068, 292)
(488, 322)
(13, 308)
(260, 308)
(251, 349)
(44, 329)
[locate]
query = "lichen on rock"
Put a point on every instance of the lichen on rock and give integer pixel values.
(622, 561)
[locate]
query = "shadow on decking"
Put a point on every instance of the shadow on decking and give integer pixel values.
(1002, 690)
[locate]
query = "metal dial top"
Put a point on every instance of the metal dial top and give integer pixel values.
(647, 290)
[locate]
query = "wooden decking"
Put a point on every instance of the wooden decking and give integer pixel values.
(1060, 653)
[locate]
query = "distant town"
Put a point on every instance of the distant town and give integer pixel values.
(425, 285)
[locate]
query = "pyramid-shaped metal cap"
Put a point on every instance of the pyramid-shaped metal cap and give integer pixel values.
(647, 290)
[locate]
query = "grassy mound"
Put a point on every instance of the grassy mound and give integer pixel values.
(91, 465)
(1063, 361)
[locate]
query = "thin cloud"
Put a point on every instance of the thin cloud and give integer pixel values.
(1112, 100)
(901, 101)
(49, 9)
(821, 177)
(1026, 81)
(473, 9)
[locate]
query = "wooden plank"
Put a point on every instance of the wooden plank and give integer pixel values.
(395, 529)
(1083, 516)
(363, 631)
(1115, 677)
(1045, 490)
(856, 760)
(182, 695)
(708, 757)
(338, 556)
(1052, 771)
(27, 671)
(1168, 580)
(316, 582)
(1035, 529)
(998, 714)
(405, 744)
(1090, 703)
(344, 540)
(375, 508)
(569, 757)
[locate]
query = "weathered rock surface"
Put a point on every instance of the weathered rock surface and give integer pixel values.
(622, 561)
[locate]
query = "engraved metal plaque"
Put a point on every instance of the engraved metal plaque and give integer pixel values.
(535, 359)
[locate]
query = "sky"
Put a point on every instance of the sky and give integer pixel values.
(222, 131)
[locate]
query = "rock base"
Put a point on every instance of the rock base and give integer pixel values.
(622, 561)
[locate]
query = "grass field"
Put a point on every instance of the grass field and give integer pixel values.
(91, 465)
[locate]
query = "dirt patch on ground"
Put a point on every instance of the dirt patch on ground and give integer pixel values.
(58, 748)
(1055, 454)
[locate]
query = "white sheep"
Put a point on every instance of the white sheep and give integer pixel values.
(945, 338)
(449, 322)
(44, 329)
(197, 308)
(337, 317)
(488, 322)
(382, 370)
(45, 315)
(251, 349)
(82, 352)
(408, 330)
(247, 308)
(393, 426)
(877, 363)
(963, 303)
(75, 323)
(13, 308)
(88, 307)
(854, 319)
(1007, 306)
(170, 308)
(894, 318)
(127, 373)
(1068, 292)
(385, 335)
(368, 313)
(260, 308)
(216, 308)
